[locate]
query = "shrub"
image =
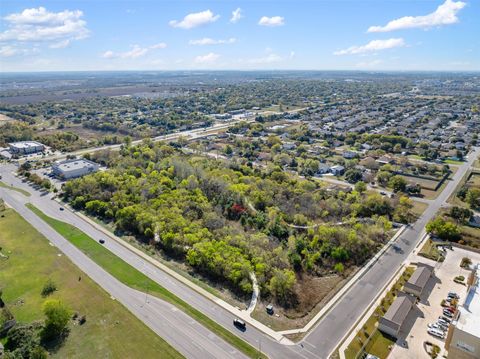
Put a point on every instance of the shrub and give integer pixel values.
(466, 262)
(48, 288)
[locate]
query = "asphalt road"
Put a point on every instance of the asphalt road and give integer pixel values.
(321, 340)
(177, 328)
(220, 315)
(330, 331)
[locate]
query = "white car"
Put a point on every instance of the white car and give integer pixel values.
(435, 326)
(436, 333)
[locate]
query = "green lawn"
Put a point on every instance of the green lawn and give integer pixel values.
(22, 191)
(430, 251)
(453, 162)
(32, 261)
(136, 279)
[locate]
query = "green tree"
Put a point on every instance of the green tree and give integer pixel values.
(473, 197)
(353, 175)
(383, 177)
(397, 183)
(443, 229)
(460, 214)
(360, 187)
(228, 150)
(57, 317)
(281, 285)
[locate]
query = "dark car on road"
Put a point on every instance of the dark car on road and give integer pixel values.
(239, 324)
(102, 241)
(62, 209)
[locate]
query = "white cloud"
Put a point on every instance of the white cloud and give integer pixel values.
(60, 45)
(195, 19)
(136, 52)
(236, 15)
(108, 55)
(445, 14)
(38, 24)
(372, 46)
(209, 41)
(160, 45)
(271, 21)
(206, 59)
(8, 51)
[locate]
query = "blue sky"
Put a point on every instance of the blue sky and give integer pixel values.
(195, 34)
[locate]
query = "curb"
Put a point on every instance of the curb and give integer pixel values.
(371, 307)
(237, 312)
(334, 300)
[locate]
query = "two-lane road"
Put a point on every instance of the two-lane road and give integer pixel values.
(325, 336)
(186, 335)
(336, 324)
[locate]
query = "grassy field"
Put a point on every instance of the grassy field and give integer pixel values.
(470, 236)
(32, 261)
(136, 279)
(22, 191)
(430, 251)
(418, 207)
(378, 344)
(453, 162)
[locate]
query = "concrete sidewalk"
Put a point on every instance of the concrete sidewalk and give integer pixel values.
(243, 314)
(345, 288)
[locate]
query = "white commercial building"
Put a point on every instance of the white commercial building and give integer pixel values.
(26, 147)
(463, 338)
(74, 168)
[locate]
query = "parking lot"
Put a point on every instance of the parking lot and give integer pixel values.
(414, 331)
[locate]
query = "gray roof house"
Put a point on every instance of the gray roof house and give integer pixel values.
(393, 319)
(419, 279)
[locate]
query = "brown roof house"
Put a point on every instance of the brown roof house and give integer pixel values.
(419, 279)
(392, 321)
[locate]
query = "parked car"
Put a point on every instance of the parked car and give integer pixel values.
(270, 309)
(447, 313)
(445, 319)
(443, 326)
(451, 309)
(435, 326)
(436, 333)
(239, 323)
(442, 321)
(102, 241)
(453, 295)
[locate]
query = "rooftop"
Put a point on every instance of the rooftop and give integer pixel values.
(420, 276)
(399, 309)
(74, 164)
(469, 319)
(25, 144)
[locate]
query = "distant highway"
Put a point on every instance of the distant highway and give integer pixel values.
(188, 134)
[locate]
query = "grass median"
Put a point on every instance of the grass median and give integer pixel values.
(130, 276)
(22, 191)
(28, 262)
